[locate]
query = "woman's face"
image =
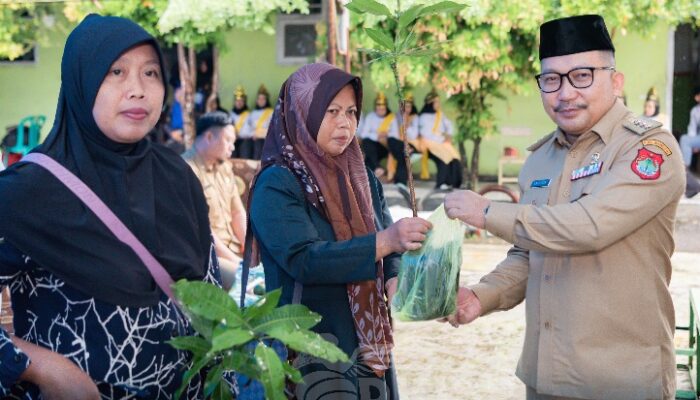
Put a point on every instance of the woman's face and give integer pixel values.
(380, 110)
(130, 98)
(339, 123)
(240, 103)
(261, 100)
(408, 107)
(649, 108)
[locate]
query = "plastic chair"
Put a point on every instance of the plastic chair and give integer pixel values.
(28, 134)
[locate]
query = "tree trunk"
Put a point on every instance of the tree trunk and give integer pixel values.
(463, 159)
(188, 82)
(211, 104)
(331, 33)
(474, 170)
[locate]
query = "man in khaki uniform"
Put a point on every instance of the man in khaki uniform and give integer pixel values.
(592, 235)
(209, 158)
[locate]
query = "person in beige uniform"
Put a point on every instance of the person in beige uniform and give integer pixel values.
(592, 235)
(209, 158)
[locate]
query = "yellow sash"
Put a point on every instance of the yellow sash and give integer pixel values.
(260, 131)
(384, 126)
(242, 117)
(436, 124)
(382, 133)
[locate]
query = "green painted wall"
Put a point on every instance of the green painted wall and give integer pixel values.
(249, 59)
(27, 89)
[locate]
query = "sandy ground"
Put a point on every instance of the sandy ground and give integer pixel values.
(477, 361)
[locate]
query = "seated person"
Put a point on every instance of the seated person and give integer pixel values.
(375, 131)
(244, 133)
(436, 132)
(209, 158)
(690, 142)
(259, 120)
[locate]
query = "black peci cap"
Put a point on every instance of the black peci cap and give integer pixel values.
(560, 37)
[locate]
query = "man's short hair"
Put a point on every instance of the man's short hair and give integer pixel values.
(214, 119)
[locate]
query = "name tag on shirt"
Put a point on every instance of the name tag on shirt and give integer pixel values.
(588, 170)
(540, 183)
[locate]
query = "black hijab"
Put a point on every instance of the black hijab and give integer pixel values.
(150, 188)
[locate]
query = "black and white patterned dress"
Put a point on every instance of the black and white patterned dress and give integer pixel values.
(123, 349)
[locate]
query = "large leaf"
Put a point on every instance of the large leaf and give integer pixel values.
(203, 326)
(369, 7)
(194, 344)
(208, 301)
(442, 7)
(271, 372)
(310, 343)
(290, 317)
(263, 306)
(292, 373)
(407, 17)
(381, 38)
(226, 338)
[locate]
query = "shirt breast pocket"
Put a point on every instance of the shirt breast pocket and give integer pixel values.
(538, 196)
(580, 189)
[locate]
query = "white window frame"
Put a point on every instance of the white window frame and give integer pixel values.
(284, 20)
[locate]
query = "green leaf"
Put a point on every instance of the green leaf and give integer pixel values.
(369, 7)
(292, 373)
(408, 42)
(225, 338)
(222, 392)
(263, 306)
(374, 53)
(197, 364)
(203, 326)
(194, 344)
(407, 17)
(213, 380)
(310, 343)
(381, 38)
(290, 317)
(208, 301)
(423, 52)
(442, 7)
(242, 362)
(272, 372)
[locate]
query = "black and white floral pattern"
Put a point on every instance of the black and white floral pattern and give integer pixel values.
(123, 349)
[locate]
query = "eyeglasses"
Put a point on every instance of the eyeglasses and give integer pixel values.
(580, 78)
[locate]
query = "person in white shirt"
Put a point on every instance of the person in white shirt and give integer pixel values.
(436, 130)
(259, 120)
(377, 127)
(244, 133)
(395, 143)
(690, 142)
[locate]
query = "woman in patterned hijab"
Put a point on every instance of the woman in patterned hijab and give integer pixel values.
(324, 234)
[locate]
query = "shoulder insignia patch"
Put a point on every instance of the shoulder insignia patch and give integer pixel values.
(641, 125)
(659, 144)
(647, 164)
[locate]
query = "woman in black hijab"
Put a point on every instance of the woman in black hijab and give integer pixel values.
(87, 312)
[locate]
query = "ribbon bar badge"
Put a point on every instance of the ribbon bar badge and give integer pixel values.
(588, 170)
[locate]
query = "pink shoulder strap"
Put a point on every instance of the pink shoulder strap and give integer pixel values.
(111, 221)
